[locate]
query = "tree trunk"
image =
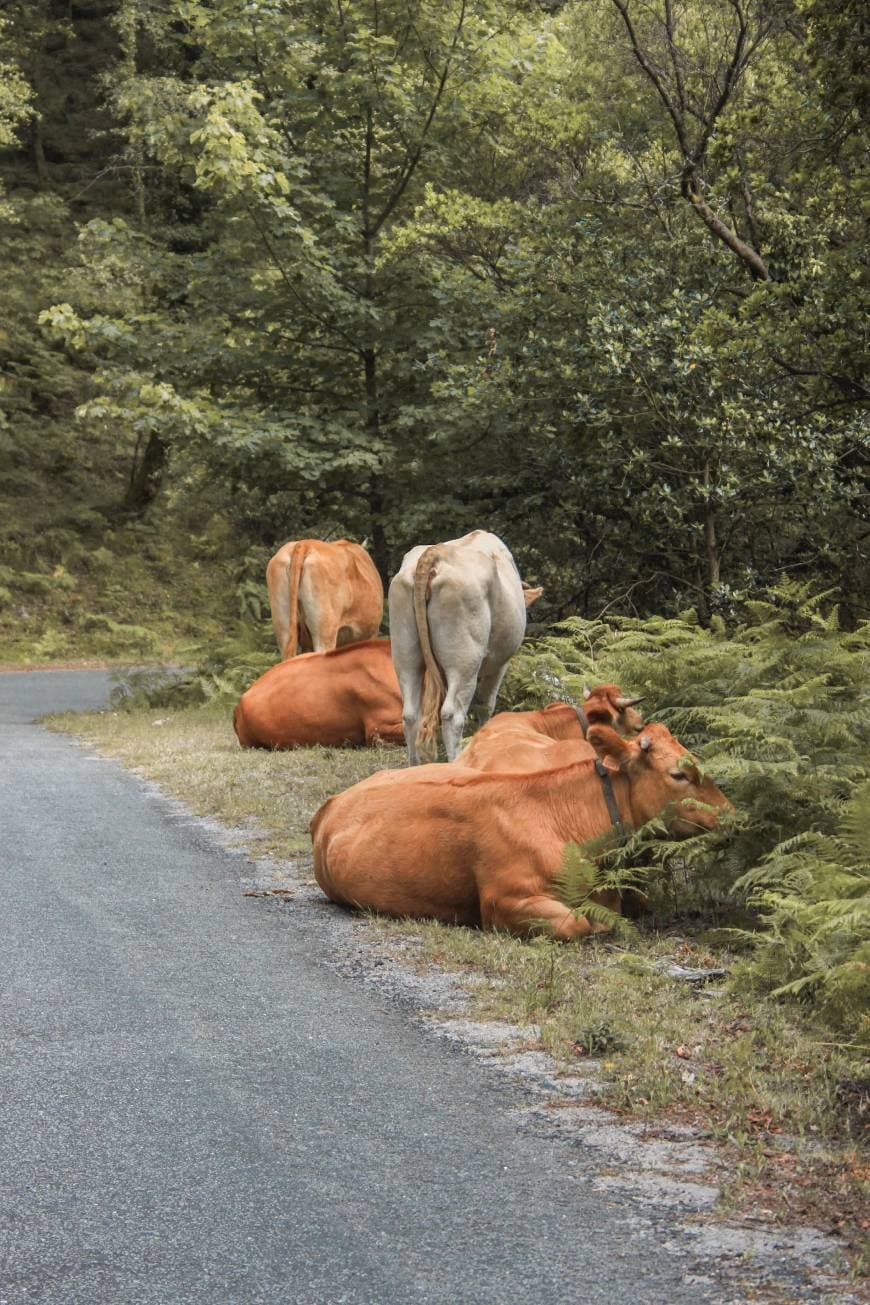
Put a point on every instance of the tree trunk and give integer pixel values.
(747, 255)
(370, 358)
(711, 542)
(42, 177)
(147, 474)
(855, 585)
(376, 504)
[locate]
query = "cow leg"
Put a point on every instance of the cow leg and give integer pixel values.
(457, 700)
(279, 601)
(411, 713)
(488, 685)
(305, 642)
(407, 662)
(380, 727)
(411, 684)
(524, 915)
(323, 633)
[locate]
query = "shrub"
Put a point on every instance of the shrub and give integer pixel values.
(813, 893)
(220, 678)
(115, 637)
(778, 711)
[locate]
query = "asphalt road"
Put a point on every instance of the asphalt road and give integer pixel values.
(194, 1109)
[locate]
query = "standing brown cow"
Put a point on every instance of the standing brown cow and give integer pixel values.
(323, 595)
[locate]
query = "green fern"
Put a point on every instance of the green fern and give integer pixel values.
(582, 875)
(813, 894)
(778, 711)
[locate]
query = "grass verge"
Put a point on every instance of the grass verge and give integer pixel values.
(786, 1102)
(194, 755)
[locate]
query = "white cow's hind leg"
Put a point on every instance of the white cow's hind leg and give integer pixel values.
(460, 690)
(407, 656)
(411, 684)
(488, 685)
(411, 724)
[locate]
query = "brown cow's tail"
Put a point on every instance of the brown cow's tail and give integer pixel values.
(297, 561)
(434, 688)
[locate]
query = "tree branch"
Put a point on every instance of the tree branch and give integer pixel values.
(643, 59)
(675, 106)
(412, 161)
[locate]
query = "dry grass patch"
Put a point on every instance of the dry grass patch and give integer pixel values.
(747, 1069)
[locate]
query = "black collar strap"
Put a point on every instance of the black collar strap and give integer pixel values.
(609, 798)
(604, 776)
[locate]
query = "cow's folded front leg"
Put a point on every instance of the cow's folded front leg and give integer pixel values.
(380, 729)
(537, 913)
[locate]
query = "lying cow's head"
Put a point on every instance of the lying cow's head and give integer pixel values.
(608, 705)
(663, 778)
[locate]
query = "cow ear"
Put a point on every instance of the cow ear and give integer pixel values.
(612, 750)
(531, 596)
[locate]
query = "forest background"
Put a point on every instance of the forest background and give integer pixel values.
(587, 274)
(591, 275)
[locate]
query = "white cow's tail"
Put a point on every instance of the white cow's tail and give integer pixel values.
(296, 563)
(434, 688)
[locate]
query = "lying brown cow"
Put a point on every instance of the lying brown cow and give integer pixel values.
(468, 847)
(349, 695)
(555, 736)
(323, 595)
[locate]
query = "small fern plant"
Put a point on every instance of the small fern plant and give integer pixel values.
(813, 896)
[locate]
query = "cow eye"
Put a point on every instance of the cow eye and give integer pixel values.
(680, 775)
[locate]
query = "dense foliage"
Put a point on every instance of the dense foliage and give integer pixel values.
(778, 711)
(587, 273)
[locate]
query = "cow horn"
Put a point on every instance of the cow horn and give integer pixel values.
(622, 703)
(645, 743)
(587, 693)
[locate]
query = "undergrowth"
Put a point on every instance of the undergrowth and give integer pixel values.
(93, 583)
(777, 710)
(778, 713)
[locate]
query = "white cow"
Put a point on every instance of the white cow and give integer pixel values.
(457, 616)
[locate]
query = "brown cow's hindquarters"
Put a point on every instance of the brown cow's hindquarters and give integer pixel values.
(351, 878)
